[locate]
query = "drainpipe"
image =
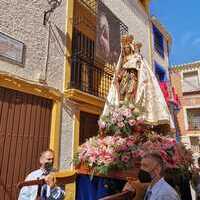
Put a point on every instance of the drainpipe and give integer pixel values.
(173, 108)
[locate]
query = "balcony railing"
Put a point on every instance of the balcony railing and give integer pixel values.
(159, 49)
(89, 78)
(195, 148)
(87, 74)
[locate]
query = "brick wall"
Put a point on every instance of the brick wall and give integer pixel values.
(187, 101)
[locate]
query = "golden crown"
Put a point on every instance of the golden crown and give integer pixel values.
(138, 45)
(127, 39)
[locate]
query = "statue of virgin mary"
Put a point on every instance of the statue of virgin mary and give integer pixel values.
(135, 83)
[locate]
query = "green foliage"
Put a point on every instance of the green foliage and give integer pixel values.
(76, 160)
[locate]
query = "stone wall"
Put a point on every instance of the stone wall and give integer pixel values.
(44, 54)
(67, 136)
(23, 20)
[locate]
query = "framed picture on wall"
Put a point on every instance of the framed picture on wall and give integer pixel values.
(11, 49)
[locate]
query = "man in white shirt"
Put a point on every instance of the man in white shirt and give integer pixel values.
(151, 171)
(47, 191)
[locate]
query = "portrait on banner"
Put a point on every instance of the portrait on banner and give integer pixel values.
(108, 35)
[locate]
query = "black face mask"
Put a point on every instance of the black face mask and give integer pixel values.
(48, 166)
(144, 176)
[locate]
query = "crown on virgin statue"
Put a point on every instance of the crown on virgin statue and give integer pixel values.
(127, 40)
(138, 45)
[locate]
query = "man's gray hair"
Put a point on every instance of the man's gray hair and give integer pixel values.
(157, 158)
(45, 151)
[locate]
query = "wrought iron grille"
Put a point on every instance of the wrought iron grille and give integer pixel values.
(91, 5)
(158, 41)
(86, 73)
(89, 78)
(193, 115)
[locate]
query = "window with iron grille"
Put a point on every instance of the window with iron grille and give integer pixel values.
(158, 41)
(194, 141)
(193, 118)
(88, 74)
(190, 81)
(85, 73)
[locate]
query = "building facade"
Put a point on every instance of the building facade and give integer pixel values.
(161, 43)
(185, 79)
(53, 87)
(83, 87)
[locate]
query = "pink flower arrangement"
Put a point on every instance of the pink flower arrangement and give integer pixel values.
(110, 152)
(120, 120)
(118, 153)
(168, 148)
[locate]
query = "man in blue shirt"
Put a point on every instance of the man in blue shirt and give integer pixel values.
(49, 191)
(197, 186)
(151, 171)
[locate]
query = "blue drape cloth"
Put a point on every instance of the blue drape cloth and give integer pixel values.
(160, 72)
(97, 187)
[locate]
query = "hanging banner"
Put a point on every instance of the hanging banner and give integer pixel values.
(108, 35)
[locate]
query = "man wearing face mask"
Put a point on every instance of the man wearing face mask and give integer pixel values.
(151, 171)
(49, 191)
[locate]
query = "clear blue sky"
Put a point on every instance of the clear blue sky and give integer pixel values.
(181, 18)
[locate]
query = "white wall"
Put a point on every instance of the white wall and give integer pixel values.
(133, 15)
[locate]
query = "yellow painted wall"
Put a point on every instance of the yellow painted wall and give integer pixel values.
(69, 32)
